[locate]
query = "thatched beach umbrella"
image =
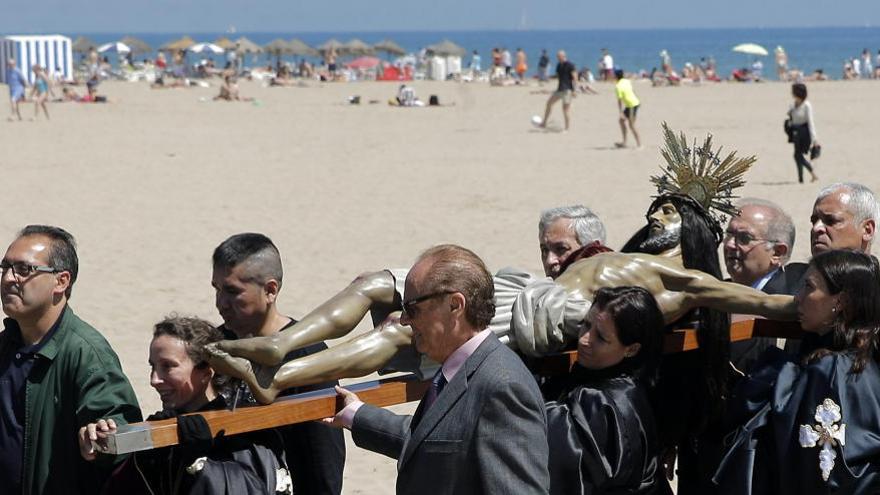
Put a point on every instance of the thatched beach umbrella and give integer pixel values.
(277, 47)
(357, 47)
(332, 43)
(176, 45)
(137, 46)
(389, 47)
(446, 48)
(301, 49)
(83, 44)
(247, 46)
(224, 43)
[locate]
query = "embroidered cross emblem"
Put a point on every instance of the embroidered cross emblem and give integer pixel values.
(826, 434)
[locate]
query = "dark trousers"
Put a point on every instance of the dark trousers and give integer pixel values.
(800, 159)
(802, 143)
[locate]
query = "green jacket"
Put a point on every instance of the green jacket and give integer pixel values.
(76, 380)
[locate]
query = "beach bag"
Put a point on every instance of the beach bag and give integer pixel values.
(434, 101)
(815, 152)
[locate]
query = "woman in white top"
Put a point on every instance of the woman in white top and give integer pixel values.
(803, 130)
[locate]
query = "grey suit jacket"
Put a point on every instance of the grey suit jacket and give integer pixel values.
(486, 433)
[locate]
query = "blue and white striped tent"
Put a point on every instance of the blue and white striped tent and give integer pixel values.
(54, 52)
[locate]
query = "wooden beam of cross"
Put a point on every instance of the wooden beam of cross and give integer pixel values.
(324, 403)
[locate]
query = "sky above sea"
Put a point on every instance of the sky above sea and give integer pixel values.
(297, 16)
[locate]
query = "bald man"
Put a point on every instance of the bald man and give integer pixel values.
(567, 75)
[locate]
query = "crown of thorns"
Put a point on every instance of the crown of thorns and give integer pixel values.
(701, 174)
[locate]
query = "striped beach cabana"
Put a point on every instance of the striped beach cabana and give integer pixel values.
(54, 52)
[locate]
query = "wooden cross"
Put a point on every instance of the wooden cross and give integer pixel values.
(324, 403)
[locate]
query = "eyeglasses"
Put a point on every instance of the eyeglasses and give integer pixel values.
(743, 238)
(410, 308)
(23, 270)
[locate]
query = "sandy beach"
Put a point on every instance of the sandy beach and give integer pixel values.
(151, 182)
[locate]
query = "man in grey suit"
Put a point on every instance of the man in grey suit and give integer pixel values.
(481, 427)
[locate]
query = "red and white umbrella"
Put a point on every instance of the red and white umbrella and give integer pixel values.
(363, 63)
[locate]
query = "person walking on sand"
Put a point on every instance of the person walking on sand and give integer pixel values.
(803, 131)
(627, 106)
(41, 91)
(566, 73)
(17, 84)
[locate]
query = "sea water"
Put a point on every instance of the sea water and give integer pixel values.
(808, 49)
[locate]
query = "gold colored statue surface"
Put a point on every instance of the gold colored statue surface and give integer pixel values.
(535, 316)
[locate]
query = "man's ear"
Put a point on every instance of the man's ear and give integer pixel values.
(780, 253)
(457, 302)
(868, 228)
(271, 288)
(62, 282)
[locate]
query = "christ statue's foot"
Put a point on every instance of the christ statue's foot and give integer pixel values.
(259, 380)
(263, 350)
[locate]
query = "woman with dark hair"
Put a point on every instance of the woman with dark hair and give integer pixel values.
(803, 130)
(601, 431)
(812, 425)
(248, 464)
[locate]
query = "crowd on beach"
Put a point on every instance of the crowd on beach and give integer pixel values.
(627, 418)
(173, 69)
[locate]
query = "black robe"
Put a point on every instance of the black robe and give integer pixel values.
(602, 436)
(243, 464)
(765, 455)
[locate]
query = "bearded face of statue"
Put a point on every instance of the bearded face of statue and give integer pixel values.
(664, 229)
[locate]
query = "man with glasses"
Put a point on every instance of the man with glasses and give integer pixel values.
(481, 427)
(57, 373)
(757, 245)
(247, 279)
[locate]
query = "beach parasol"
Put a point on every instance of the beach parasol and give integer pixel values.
(445, 48)
(332, 43)
(247, 46)
(751, 49)
(278, 47)
(300, 48)
(357, 47)
(206, 47)
(365, 62)
(83, 44)
(137, 46)
(389, 47)
(177, 45)
(116, 46)
(224, 43)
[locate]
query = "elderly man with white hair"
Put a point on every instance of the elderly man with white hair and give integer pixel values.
(564, 230)
(844, 217)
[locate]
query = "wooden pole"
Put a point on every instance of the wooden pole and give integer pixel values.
(324, 403)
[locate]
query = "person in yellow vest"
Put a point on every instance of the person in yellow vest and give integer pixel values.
(628, 106)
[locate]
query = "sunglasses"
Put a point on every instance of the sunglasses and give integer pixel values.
(24, 270)
(410, 308)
